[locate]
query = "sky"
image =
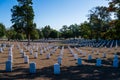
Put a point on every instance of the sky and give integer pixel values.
(55, 13)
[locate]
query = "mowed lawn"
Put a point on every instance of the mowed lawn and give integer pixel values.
(70, 70)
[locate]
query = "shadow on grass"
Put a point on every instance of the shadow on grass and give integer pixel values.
(83, 72)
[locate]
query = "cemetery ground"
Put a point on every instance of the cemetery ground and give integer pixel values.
(69, 69)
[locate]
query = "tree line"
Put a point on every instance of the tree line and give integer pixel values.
(100, 24)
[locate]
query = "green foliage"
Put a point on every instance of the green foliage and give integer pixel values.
(98, 18)
(46, 31)
(22, 17)
(85, 30)
(70, 32)
(40, 33)
(114, 6)
(34, 35)
(2, 30)
(20, 36)
(54, 34)
(10, 34)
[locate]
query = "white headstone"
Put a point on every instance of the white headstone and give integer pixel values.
(32, 67)
(4, 45)
(23, 54)
(41, 52)
(48, 56)
(26, 59)
(10, 49)
(89, 57)
(10, 58)
(115, 56)
(104, 55)
(97, 52)
(10, 53)
(84, 54)
(81, 52)
(31, 51)
(79, 61)
(1, 50)
(98, 62)
(35, 55)
(37, 49)
(21, 51)
(75, 56)
(59, 60)
(56, 68)
(115, 63)
(8, 66)
(92, 50)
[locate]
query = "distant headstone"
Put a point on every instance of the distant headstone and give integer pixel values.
(41, 52)
(48, 56)
(31, 51)
(84, 54)
(37, 49)
(10, 53)
(81, 52)
(89, 57)
(10, 58)
(59, 60)
(21, 51)
(75, 56)
(26, 59)
(56, 68)
(97, 52)
(10, 49)
(8, 66)
(35, 55)
(32, 67)
(105, 47)
(1, 50)
(92, 50)
(98, 62)
(104, 55)
(115, 56)
(23, 54)
(79, 61)
(4, 45)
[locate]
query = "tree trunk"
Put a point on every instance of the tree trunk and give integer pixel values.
(28, 39)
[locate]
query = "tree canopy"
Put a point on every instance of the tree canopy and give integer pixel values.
(22, 17)
(2, 30)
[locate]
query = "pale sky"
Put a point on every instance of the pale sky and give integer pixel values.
(55, 13)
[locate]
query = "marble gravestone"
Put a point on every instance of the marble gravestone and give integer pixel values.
(98, 62)
(8, 66)
(56, 68)
(32, 67)
(79, 61)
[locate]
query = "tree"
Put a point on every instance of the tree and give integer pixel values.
(85, 30)
(34, 34)
(22, 17)
(54, 34)
(46, 31)
(10, 34)
(114, 6)
(20, 36)
(40, 33)
(64, 31)
(74, 28)
(98, 18)
(2, 30)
